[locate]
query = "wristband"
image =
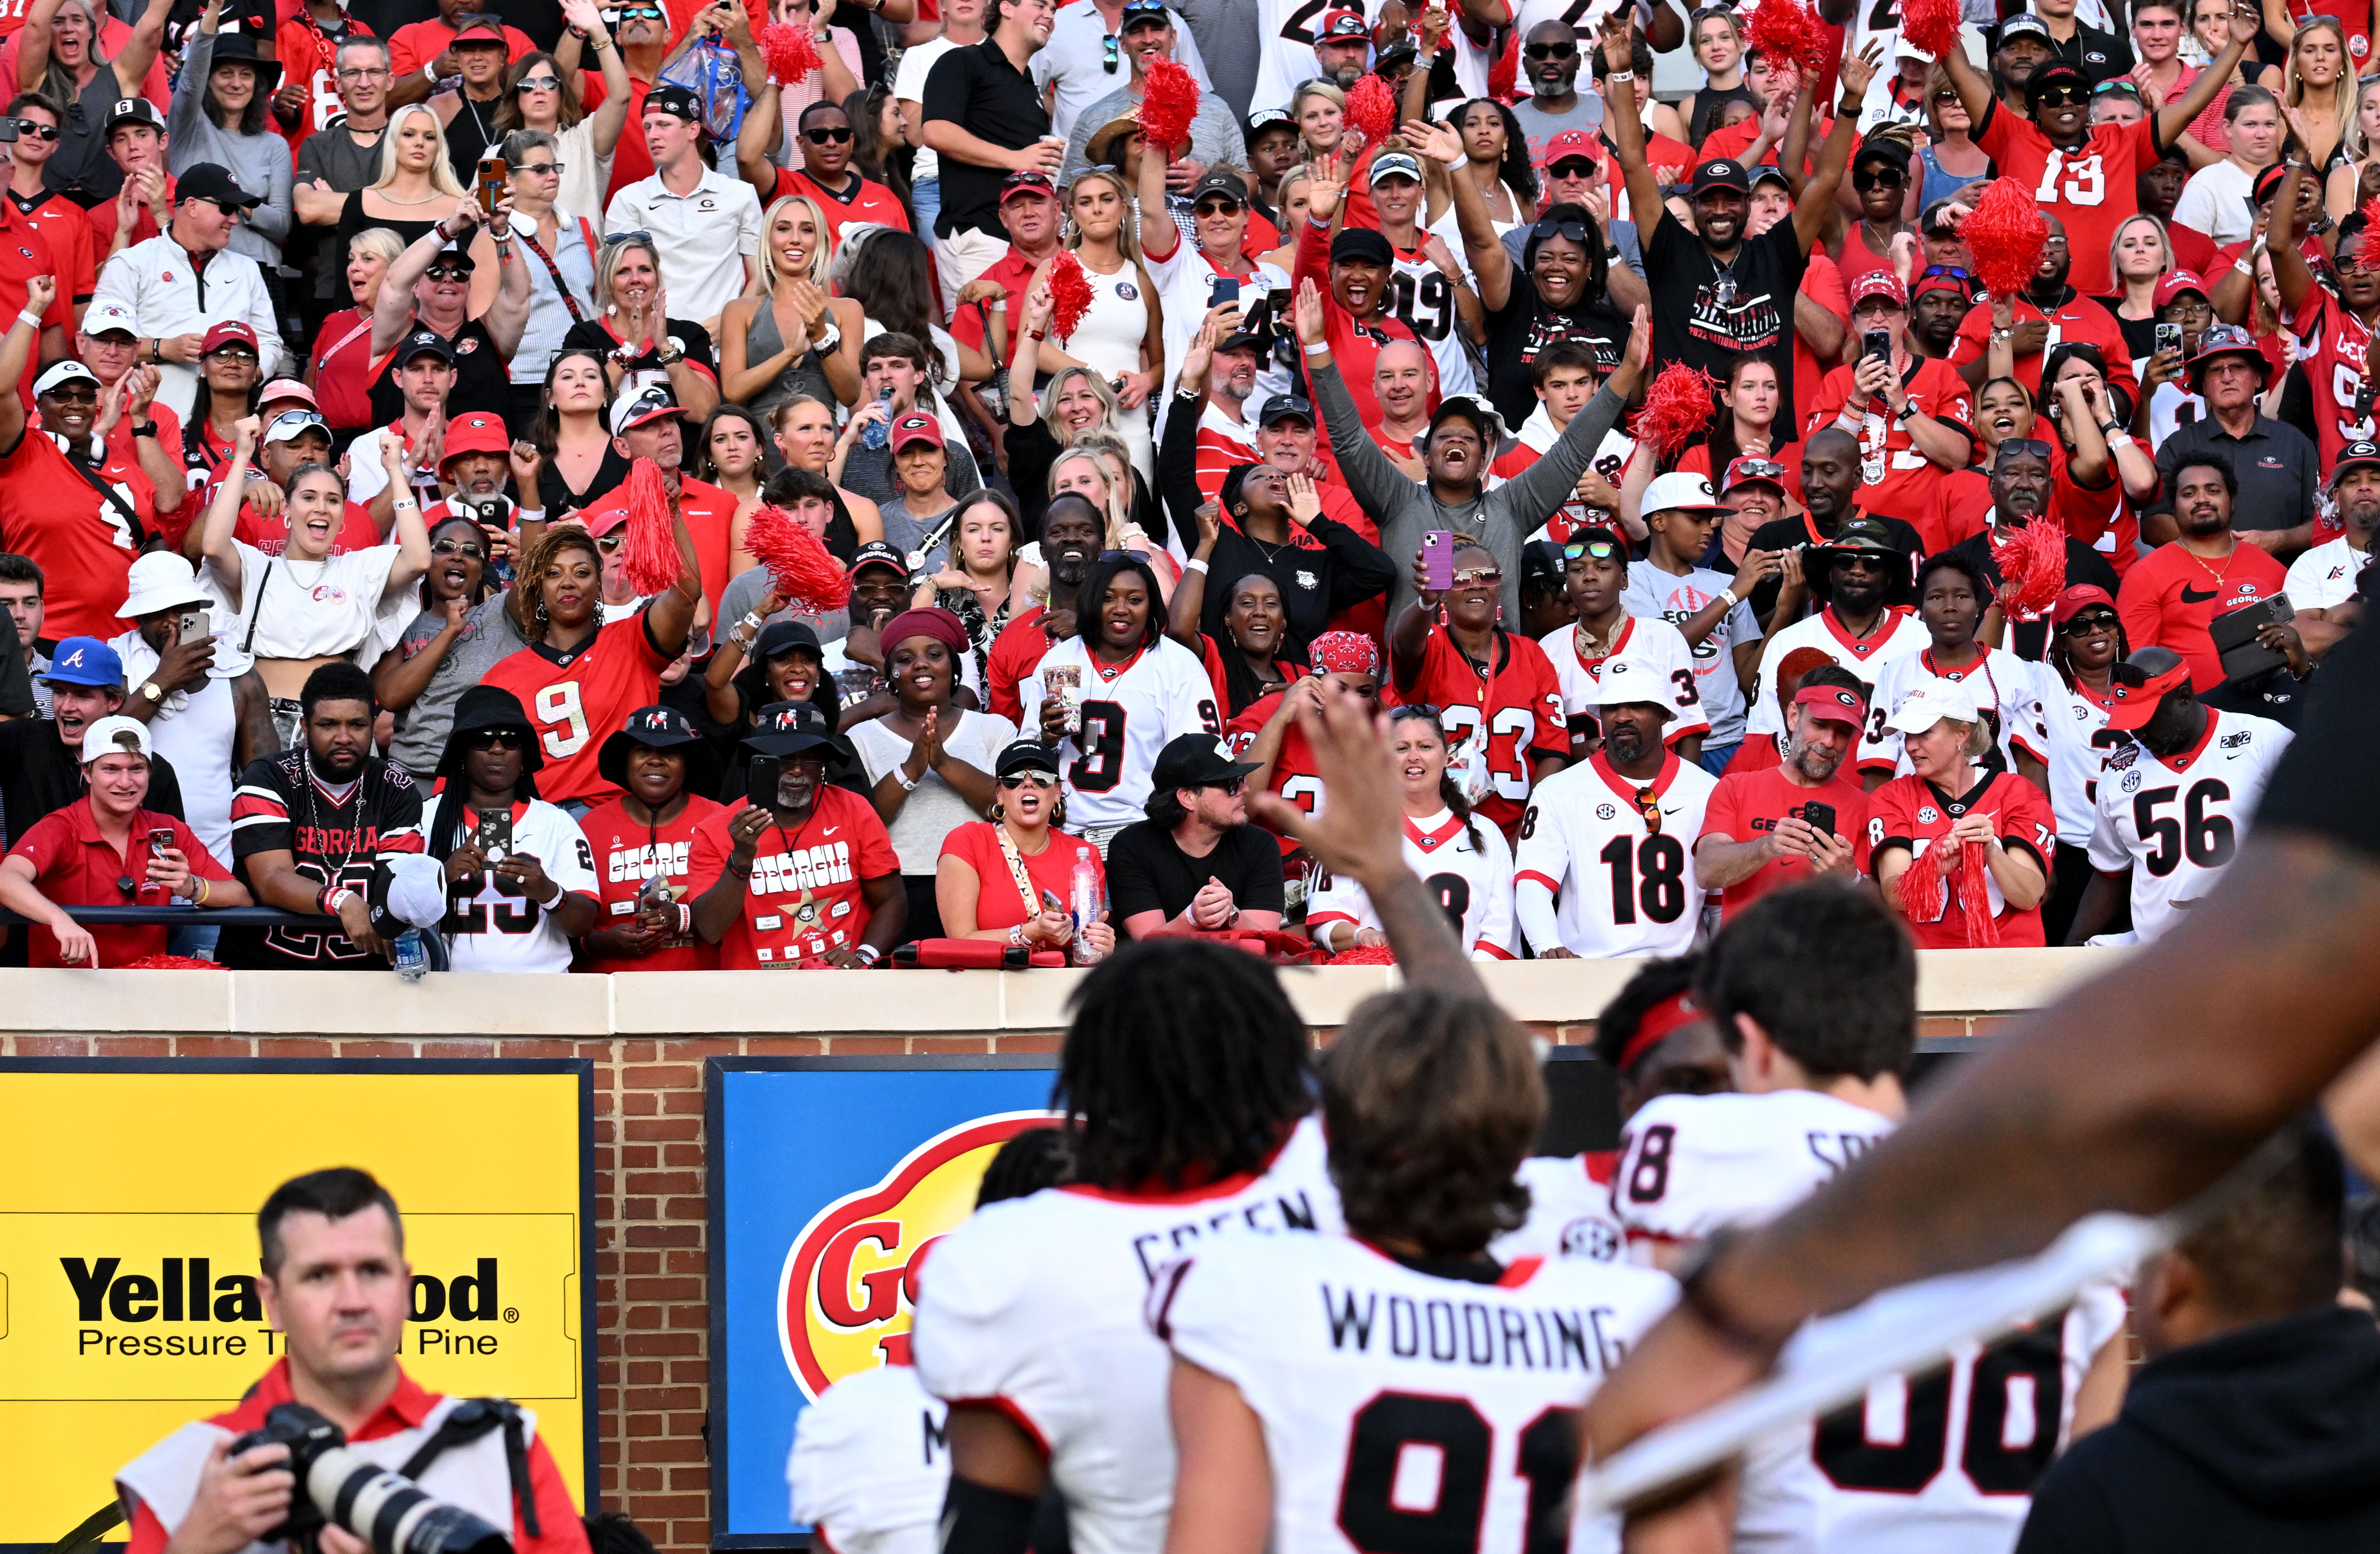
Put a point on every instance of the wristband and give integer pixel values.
(30, 317)
(1620, 76)
(1726, 597)
(1016, 935)
(1316, 352)
(2120, 440)
(908, 783)
(684, 919)
(866, 954)
(144, 429)
(1195, 564)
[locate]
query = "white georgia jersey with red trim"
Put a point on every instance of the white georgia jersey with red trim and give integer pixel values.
(1570, 1210)
(1621, 887)
(871, 1463)
(2012, 692)
(1403, 1410)
(1690, 1165)
(1034, 1307)
(1129, 712)
(2176, 823)
(1473, 881)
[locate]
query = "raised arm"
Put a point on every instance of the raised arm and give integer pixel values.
(221, 550)
(507, 316)
(756, 142)
(2290, 273)
(1616, 37)
(1815, 203)
(1379, 484)
(612, 117)
(132, 61)
(393, 310)
(2174, 119)
(17, 355)
(1491, 263)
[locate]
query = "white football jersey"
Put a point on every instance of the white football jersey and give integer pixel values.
(489, 928)
(1864, 658)
(1690, 1165)
(1035, 1304)
(1425, 299)
(1129, 711)
(2078, 742)
(2325, 576)
(871, 1462)
(1569, 1211)
(1652, 592)
(2007, 687)
(1471, 879)
(2177, 823)
(1621, 887)
(1649, 643)
(1403, 1410)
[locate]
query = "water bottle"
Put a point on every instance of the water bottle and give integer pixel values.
(412, 960)
(876, 434)
(1085, 892)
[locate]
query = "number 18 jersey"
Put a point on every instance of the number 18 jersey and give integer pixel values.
(1129, 711)
(1404, 1410)
(1621, 886)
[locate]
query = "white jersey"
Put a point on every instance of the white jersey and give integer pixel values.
(1569, 1211)
(491, 928)
(1653, 592)
(1128, 712)
(2325, 576)
(1620, 887)
(1058, 1341)
(1863, 657)
(1652, 644)
(2177, 823)
(1690, 1165)
(2007, 687)
(1406, 1411)
(871, 1463)
(1537, 437)
(2078, 742)
(1185, 281)
(1473, 881)
(1425, 299)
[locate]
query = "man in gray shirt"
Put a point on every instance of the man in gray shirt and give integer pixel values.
(1226, 32)
(1550, 60)
(1215, 136)
(333, 163)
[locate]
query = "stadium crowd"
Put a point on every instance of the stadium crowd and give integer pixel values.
(415, 414)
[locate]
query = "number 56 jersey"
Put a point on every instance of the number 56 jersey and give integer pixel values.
(2176, 823)
(1404, 1410)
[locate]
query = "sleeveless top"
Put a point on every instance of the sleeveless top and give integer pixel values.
(1708, 105)
(1109, 337)
(1940, 183)
(808, 376)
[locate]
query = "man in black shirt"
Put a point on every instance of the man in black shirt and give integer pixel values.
(2102, 56)
(2020, 485)
(1715, 292)
(40, 759)
(1830, 484)
(1196, 862)
(2279, 471)
(984, 118)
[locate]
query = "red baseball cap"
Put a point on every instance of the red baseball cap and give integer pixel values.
(1341, 25)
(2174, 283)
(2134, 696)
(476, 433)
(1833, 703)
(603, 520)
(1571, 143)
(229, 332)
(2076, 600)
(914, 429)
(1879, 283)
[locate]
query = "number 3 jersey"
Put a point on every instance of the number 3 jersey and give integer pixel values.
(1129, 711)
(1034, 1307)
(2175, 821)
(1618, 856)
(1405, 1411)
(1471, 879)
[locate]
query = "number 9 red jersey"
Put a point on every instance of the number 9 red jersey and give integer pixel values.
(575, 699)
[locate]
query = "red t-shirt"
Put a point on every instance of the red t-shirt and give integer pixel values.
(1758, 753)
(1515, 706)
(997, 904)
(74, 865)
(343, 369)
(1011, 271)
(576, 699)
(710, 521)
(1911, 814)
(804, 897)
(871, 201)
(103, 224)
(24, 253)
(1895, 477)
(79, 538)
(1822, 283)
(628, 853)
(1015, 653)
(2078, 318)
(2170, 597)
(2089, 187)
(68, 226)
(1747, 803)
(413, 46)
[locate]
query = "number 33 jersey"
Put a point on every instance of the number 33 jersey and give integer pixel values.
(1404, 1410)
(1623, 886)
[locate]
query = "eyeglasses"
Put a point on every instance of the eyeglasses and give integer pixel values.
(363, 73)
(448, 270)
(496, 739)
(39, 131)
(607, 543)
(2064, 94)
(542, 169)
(1549, 51)
(1029, 779)
(2032, 445)
(1600, 549)
(537, 83)
(828, 133)
(464, 548)
(2095, 625)
(1879, 177)
(1478, 576)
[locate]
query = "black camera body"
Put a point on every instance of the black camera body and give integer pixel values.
(386, 1510)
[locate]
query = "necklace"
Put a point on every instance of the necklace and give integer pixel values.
(387, 198)
(2228, 556)
(805, 912)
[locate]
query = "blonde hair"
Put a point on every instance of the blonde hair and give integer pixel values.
(441, 175)
(1099, 447)
(1127, 238)
(2165, 241)
(2342, 91)
(608, 261)
(378, 242)
(819, 243)
(2359, 146)
(1110, 406)
(1327, 91)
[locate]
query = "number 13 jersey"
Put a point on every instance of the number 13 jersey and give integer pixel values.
(1130, 711)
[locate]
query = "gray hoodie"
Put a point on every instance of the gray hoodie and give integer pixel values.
(1503, 519)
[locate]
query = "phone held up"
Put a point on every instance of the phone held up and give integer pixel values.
(761, 782)
(1437, 560)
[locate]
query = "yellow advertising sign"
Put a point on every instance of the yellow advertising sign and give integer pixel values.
(128, 1248)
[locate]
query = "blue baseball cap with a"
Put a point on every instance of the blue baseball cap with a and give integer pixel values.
(85, 661)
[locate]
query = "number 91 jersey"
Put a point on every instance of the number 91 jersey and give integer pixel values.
(1403, 1410)
(2175, 821)
(1623, 886)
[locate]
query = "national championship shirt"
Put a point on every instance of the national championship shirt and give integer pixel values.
(1570, 1210)
(2176, 823)
(627, 854)
(1912, 813)
(871, 1463)
(1898, 635)
(1499, 717)
(1652, 592)
(1657, 645)
(1618, 855)
(2009, 690)
(1129, 710)
(993, 1300)
(1468, 868)
(804, 898)
(1367, 1373)
(575, 699)
(491, 927)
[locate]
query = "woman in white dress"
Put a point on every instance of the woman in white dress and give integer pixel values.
(1122, 336)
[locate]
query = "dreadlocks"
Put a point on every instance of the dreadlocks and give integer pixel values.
(1185, 1063)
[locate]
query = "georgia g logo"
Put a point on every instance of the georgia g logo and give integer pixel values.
(850, 1280)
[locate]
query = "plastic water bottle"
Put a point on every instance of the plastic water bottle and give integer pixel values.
(412, 960)
(1085, 891)
(877, 433)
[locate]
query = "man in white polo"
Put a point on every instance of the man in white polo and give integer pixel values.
(705, 224)
(184, 280)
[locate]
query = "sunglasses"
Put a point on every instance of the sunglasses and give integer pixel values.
(300, 418)
(1415, 709)
(1229, 790)
(38, 131)
(1478, 576)
(1936, 271)
(1214, 207)
(1766, 469)
(1649, 804)
(1030, 780)
(1601, 550)
(2065, 94)
(75, 393)
(1549, 51)
(497, 739)
(1574, 230)
(1879, 177)
(541, 169)
(1945, 99)
(2090, 625)
(538, 83)
(2032, 445)
(1572, 167)
(827, 134)
(236, 353)
(608, 543)
(1111, 51)
(443, 272)
(630, 13)
(2115, 89)
(457, 547)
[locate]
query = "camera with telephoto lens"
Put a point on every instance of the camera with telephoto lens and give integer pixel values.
(337, 1484)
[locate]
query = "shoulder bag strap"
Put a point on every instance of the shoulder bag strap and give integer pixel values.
(528, 241)
(256, 608)
(114, 499)
(1017, 872)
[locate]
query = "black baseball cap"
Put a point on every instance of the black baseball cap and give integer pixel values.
(1541, 562)
(1219, 182)
(1195, 760)
(1026, 755)
(134, 110)
(204, 180)
(670, 98)
(1861, 536)
(2355, 455)
(1281, 407)
(790, 728)
(2054, 73)
(1721, 171)
(425, 342)
(1265, 118)
(2024, 24)
(1362, 244)
(661, 728)
(879, 552)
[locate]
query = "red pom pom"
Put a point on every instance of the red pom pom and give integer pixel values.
(1974, 898)
(1677, 405)
(791, 52)
(1931, 25)
(170, 963)
(1070, 294)
(2004, 237)
(800, 568)
(1372, 109)
(1366, 955)
(2031, 559)
(1169, 102)
(1786, 30)
(650, 566)
(1918, 893)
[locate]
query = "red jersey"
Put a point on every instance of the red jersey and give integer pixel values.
(1748, 803)
(1294, 775)
(2078, 318)
(804, 897)
(343, 369)
(2170, 595)
(1015, 653)
(1499, 717)
(68, 226)
(82, 542)
(1913, 814)
(103, 224)
(1758, 753)
(869, 202)
(576, 700)
(2089, 187)
(1354, 344)
(628, 853)
(1895, 478)
(709, 518)
(1822, 283)
(308, 57)
(24, 253)
(74, 865)
(997, 904)
(2333, 347)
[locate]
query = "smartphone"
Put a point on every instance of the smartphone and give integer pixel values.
(1437, 560)
(1064, 683)
(160, 838)
(2169, 337)
(1877, 343)
(197, 627)
(761, 782)
(1223, 289)
(495, 183)
(495, 835)
(1820, 817)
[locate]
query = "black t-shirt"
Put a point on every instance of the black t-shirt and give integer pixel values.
(1784, 534)
(482, 379)
(1147, 873)
(2030, 639)
(977, 87)
(1525, 325)
(594, 335)
(1703, 315)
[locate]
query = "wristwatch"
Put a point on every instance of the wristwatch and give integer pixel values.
(153, 691)
(144, 429)
(831, 339)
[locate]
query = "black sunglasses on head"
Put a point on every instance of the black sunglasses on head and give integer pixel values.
(2032, 445)
(1574, 230)
(1415, 709)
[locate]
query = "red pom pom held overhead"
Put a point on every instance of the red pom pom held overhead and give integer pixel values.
(1931, 25)
(1169, 102)
(801, 570)
(1678, 404)
(1372, 109)
(2004, 237)
(791, 52)
(650, 566)
(1786, 30)
(1070, 294)
(2031, 559)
